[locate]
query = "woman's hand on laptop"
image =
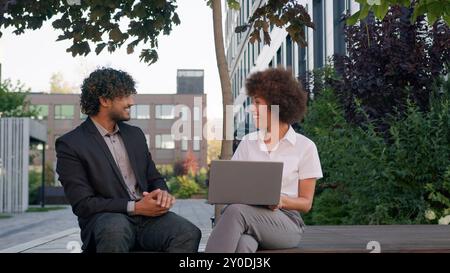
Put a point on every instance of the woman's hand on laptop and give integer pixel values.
(280, 204)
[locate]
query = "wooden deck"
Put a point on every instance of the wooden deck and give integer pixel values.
(355, 239)
(316, 239)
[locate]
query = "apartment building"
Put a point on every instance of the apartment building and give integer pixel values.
(245, 58)
(155, 114)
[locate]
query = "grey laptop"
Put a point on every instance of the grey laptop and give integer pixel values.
(245, 182)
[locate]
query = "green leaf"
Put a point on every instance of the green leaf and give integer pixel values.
(267, 38)
(132, 45)
(364, 11)
(353, 19)
(63, 37)
(61, 23)
(419, 10)
(381, 10)
(446, 19)
(115, 34)
(254, 37)
(233, 4)
(149, 56)
(97, 12)
(432, 17)
(434, 11)
(99, 48)
(139, 10)
(240, 29)
(176, 19)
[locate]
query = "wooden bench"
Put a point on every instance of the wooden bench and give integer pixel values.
(390, 238)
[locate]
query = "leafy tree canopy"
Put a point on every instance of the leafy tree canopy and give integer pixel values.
(98, 23)
(13, 102)
(281, 13)
(434, 9)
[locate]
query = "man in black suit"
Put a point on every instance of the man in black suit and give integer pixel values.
(109, 177)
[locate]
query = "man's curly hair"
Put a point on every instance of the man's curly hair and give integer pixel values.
(277, 86)
(107, 83)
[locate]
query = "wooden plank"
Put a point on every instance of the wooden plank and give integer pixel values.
(395, 238)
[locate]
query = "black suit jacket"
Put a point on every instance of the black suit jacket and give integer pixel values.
(91, 179)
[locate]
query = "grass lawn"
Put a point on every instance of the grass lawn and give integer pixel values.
(45, 209)
(4, 216)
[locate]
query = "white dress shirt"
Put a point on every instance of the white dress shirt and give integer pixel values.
(297, 152)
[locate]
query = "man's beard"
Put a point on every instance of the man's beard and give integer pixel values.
(118, 117)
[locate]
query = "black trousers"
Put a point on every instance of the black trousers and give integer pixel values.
(118, 232)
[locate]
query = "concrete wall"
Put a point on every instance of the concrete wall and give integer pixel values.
(14, 149)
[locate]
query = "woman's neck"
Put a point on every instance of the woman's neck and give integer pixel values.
(274, 137)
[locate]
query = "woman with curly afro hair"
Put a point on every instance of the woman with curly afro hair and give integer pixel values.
(278, 101)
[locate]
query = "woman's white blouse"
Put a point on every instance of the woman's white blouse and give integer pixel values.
(297, 152)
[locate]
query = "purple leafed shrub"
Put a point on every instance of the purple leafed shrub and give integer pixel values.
(388, 63)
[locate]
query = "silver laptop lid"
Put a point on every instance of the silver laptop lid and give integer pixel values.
(245, 182)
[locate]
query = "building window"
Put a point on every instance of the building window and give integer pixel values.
(245, 64)
(82, 116)
(339, 41)
(249, 65)
(147, 139)
(238, 78)
(185, 111)
(302, 64)
(247, 115)
(42, 111)
(165, 111)
(184, 144)
(196, 144)
(289, 55)
(234, 85)
(242, 14)
(242, 75)
(248, 8)
(319, 38)
(279, 56)
(64, 111)
(197, 114)
(256, 51)
(164, 142)
(253, 54)
(140, 112)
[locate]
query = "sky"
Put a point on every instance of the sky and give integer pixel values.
(34, 56)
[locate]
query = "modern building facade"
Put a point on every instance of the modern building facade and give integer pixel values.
(155, 114)
(245, 58)
(190, 81)
(16, 135)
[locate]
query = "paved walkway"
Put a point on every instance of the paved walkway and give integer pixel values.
(58, 232)
(25, 227)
